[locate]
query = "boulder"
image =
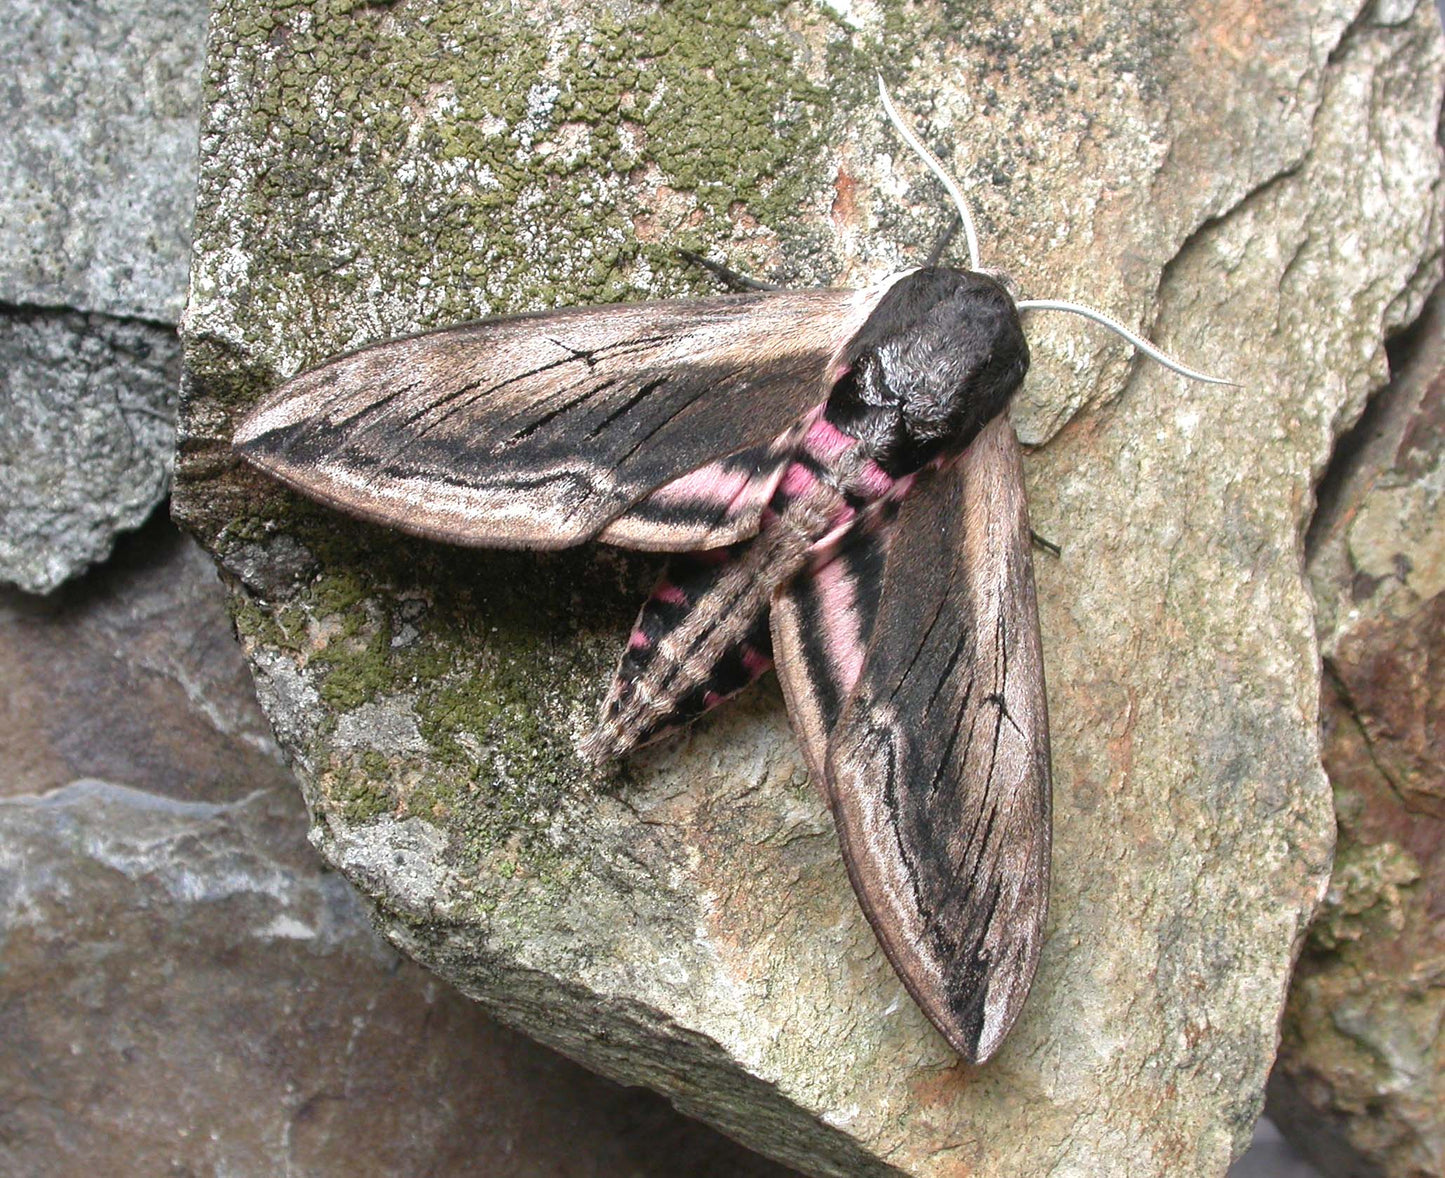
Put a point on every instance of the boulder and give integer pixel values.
(1260, 192)
(186, 988)
(87, 425)
(1360, 1082)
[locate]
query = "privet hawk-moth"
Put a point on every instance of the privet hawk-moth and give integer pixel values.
(837, 477)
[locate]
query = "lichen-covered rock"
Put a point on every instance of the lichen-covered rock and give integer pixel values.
(1360, 1082)
(186, 989)
(684, 921)
(97, 182)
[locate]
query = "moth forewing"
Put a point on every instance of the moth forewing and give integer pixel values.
(938, 769)
(540, 430)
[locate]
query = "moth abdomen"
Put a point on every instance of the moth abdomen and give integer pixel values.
(703, 634)
(700, 637)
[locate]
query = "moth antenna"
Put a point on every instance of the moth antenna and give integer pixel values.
(913, 141)
(1115, 326)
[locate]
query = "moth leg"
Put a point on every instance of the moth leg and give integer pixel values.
(1047, 545)
(941, 243)
(730, 278)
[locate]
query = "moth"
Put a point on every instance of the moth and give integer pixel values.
(836, 477)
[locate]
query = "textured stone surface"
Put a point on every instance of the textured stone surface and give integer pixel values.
(1258, 188)
(98, 161)
(97, 184)
(1360, 1081)
(87, 423)
(185, 989)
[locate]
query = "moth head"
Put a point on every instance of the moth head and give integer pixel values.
(939, 357)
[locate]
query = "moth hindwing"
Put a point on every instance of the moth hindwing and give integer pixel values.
(837, 476)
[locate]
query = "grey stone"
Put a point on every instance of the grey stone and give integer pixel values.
(97, 188)
(1360, 1081)
(186, 989)
(684, 922)
(98, 159)
(87, 427)
(130, 676)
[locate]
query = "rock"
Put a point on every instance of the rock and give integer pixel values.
(186, 989)
(100, 156)
(1360, 1082)
(684, 921)
(87, 422)
(97, 184)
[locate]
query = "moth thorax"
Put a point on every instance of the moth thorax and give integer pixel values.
(986, 362)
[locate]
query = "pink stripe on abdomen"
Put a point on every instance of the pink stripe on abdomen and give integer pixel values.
(825, 441)
(797, 480)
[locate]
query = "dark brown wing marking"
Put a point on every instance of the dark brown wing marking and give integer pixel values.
(938, 762)
(710, 507)
(539, 430)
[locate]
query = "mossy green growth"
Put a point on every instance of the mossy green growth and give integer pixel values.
(1367, 895)
(359, 789)
(488, 653)
(255, 626)
(492, 160)
(383, 168)
(356, 675)
(525, 657)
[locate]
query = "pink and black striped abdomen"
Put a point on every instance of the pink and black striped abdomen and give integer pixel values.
(703, 634)
(664, 680)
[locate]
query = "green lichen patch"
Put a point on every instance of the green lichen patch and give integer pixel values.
(364, 786)
(358, 790)
(486, 659)
(1367, 895)
(443, 160)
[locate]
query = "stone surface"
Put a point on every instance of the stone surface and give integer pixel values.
(87, 423)
(98, 162)
(1360, 1082)
(97, 184)
(183, 988)
(1258, 188)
